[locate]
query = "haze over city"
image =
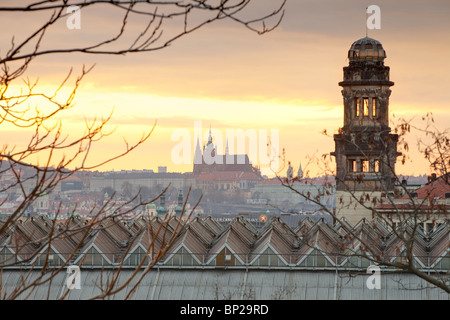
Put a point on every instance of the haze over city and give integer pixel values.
(230, 78)
(224, 150)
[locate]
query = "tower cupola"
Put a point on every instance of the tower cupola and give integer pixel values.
(366, 49)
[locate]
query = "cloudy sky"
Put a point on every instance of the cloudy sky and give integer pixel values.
(228, 77)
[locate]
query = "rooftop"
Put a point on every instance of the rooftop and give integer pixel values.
(205, 243)
(366, 49)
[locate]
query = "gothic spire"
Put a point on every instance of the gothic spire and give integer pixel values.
(198, 153)
(300, 172)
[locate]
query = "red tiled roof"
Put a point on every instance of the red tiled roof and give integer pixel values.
(436, 189)
(426, 198)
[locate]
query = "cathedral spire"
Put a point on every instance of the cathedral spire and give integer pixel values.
(290, 173)
(210, 135)
(198, 153)
(300, 172)
(210, 149)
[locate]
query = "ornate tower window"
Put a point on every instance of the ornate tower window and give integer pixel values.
(357, 107)
(366, 107)
(374, 107)
(352, 165)
(376, 166)
(365, 166)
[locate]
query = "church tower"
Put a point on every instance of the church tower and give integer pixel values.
(365, 150)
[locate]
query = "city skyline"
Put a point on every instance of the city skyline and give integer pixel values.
(230, 79)
(217, 150)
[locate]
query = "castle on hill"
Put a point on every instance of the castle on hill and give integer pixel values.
(209, 161)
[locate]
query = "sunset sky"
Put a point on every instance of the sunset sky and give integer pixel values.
(231, 78)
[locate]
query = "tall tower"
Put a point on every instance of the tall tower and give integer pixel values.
(365, 150)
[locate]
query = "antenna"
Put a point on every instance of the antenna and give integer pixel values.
(367, 17)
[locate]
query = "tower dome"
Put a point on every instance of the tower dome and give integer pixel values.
(366, 49)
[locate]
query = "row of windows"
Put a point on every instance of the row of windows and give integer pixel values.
(183, 258)
(364, 165)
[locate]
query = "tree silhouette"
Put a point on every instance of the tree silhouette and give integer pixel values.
(407, 219)
(50, 156)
